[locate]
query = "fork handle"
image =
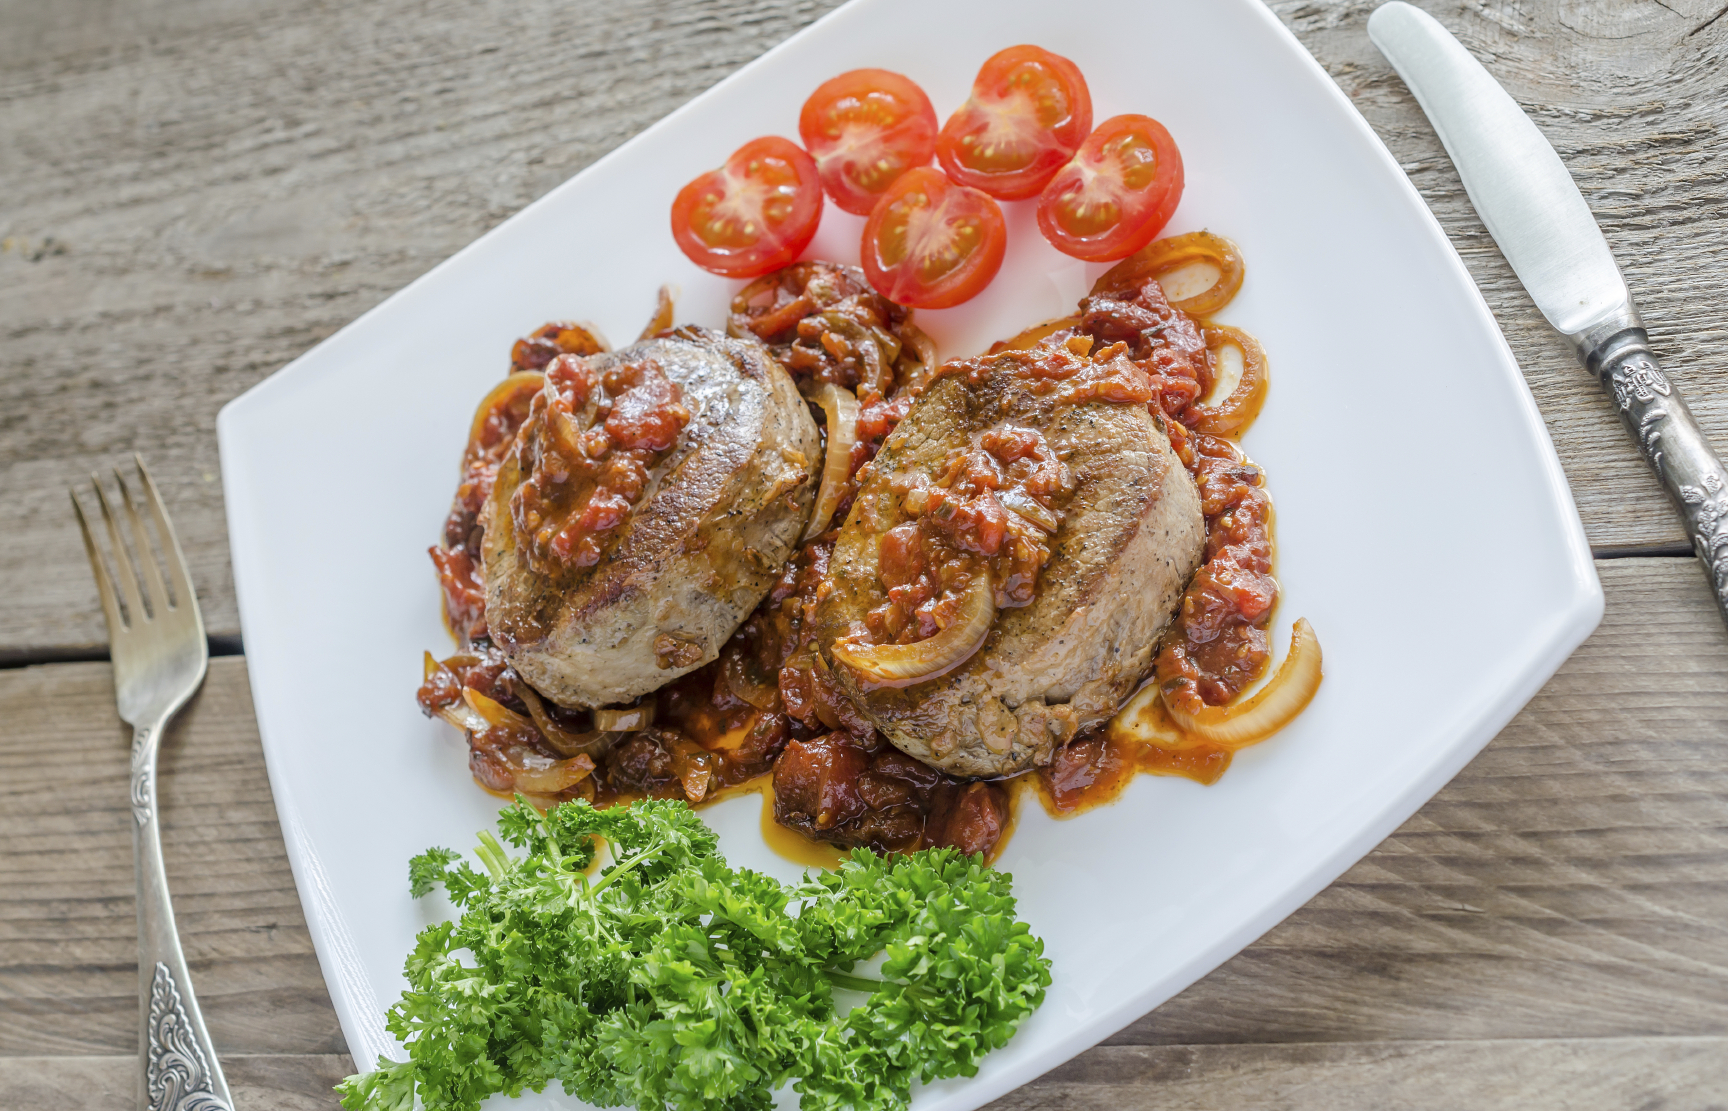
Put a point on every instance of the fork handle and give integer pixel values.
(178, 1066)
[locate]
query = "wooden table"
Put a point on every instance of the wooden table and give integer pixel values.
(192, 193)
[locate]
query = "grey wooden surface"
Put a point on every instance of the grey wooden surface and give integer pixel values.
(192, 193)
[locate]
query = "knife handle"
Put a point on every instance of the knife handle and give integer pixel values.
(1672, 443)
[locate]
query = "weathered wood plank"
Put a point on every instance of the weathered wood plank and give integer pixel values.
(1654, 1074)
(258, 1082)
(1630, 94)
(1571, 883)
(249, 180)
(68, 927)
(1667, 1074)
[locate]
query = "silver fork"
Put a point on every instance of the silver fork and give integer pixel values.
(160, 655)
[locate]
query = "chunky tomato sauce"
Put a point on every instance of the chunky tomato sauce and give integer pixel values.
(561, 337)
(991, 511)
(591, 440)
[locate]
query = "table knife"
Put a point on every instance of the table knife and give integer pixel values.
(1539, 220)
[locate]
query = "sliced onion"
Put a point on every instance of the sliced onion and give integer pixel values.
(558, 776)
(1035, 335)
(692, 764)
(842, 412)
(741, 680)
(463, 718)
(627, 719)
(1030, 508)
(1238, 410)
(662, 318)
(565, 741)
(1274, 707)
(523, 382)
(494, 714)
(1143, 720)
(901, 665)
(918, 345)
(1164, 255)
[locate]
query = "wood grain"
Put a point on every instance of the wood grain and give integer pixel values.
(1674, 1074)
(198, 191)
(1552, 928)
(258, 1082)
(68, 925)
(1630, 94)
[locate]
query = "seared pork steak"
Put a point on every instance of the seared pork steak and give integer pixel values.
(645, 579)
(1122, 529)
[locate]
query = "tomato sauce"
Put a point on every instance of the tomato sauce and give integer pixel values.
(1093, 770)
(991, 510)
(591, 439)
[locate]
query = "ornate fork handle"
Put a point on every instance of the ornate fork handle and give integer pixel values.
(180, 1071)
(1672, 443)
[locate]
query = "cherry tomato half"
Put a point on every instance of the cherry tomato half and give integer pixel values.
(1028, 113)
(753, 215)
(1116, 194)
(866, 128)
(930, 243)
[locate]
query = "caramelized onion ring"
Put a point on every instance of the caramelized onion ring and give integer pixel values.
(495, 714)
(916, 344)
(662, 318)
(1164, 255)
(842, 411)
(1034, 335)
(558, 776)
(901, 665)
(528, 381)
(1237, 411)
(627, 719)
(565, 742)
(1274, 707)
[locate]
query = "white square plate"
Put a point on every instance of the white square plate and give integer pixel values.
(1424, 526)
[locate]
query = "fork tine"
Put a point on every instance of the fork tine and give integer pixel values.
(104, 587)
(146, 557)
(181, 582)
(122, 562)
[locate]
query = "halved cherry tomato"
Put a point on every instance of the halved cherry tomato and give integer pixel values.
(1116, 194)
(753, 215)
(930, 243)
(866, 128)
(1028, 113)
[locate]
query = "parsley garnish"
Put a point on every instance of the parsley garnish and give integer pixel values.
(673, 981)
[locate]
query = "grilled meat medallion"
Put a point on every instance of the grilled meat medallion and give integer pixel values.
(644, 511)
(1101, 533)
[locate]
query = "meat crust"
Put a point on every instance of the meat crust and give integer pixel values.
(1131, 537)
(698, 550)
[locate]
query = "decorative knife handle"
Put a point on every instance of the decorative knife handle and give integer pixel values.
(1672, 443)
(180, 1071)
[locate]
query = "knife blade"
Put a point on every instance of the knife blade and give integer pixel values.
(1543, 226)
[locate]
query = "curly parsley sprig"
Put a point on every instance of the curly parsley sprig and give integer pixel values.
(673, 981)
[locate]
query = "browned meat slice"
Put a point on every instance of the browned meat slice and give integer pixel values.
(1044, 470)
(644, 511)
